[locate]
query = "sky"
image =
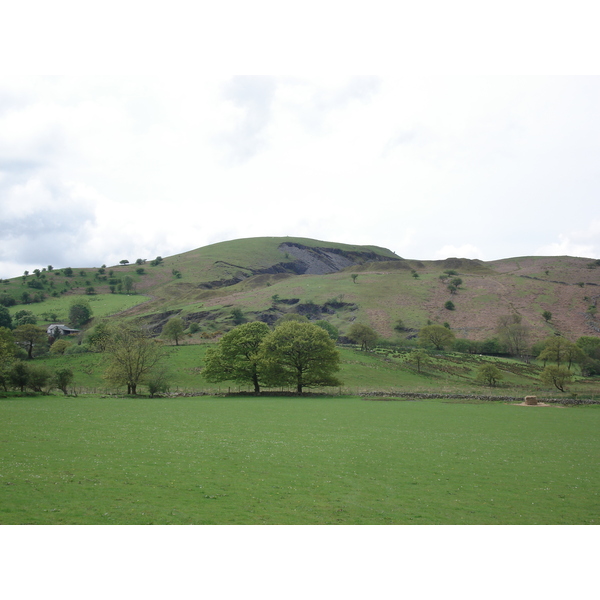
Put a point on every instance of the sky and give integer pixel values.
(157, 157)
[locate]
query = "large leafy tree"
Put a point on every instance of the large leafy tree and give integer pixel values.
(30, 337)
(436, 335)
(301, 354)
(80, 313)
(133, 356)
(238, 357)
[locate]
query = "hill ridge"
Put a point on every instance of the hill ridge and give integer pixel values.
(369, 283)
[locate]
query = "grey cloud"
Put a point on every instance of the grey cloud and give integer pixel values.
(46, 231)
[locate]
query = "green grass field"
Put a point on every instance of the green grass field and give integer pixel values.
(208, 460)
(102, 305)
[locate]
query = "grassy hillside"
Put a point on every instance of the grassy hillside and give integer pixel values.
(267, 277)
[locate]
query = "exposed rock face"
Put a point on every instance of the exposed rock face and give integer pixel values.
(319, 261)
(301, 260)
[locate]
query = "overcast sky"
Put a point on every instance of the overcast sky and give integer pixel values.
(98, 167)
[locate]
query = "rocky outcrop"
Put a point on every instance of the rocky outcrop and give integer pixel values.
(319, 261)
(305, 261)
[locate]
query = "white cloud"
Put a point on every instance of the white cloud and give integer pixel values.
(428, 167)
(583, 243)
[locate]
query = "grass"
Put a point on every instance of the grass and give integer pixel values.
(102, 305)
(382, 370)
(295, 461)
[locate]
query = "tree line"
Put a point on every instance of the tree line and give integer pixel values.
(296, 352)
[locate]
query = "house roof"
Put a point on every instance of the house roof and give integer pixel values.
(61, 327)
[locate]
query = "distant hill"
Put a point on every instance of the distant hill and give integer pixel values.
(267, 277)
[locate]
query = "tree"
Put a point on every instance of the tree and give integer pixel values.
(5, 318)
(590, 363)
(301, 354)
(513, 333)
(62, 379)
(100, 336)
(158, 380)
(419, 357)
(29, 337)
(133, 355)
(39, 377)
(489, 374)
(18, 375)
(449, 305)
(128, 283)
(556, 376)
(238, 316)
(80, 313)
(238, 356)
(559, 350)
(173, 330)
(354, 277)
(547, 315)
(363, 335)
(7, 353)
(436, 335)
(25, 317)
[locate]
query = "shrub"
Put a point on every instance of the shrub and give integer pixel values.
(59, 347)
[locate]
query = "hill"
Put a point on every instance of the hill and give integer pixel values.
(268, 277)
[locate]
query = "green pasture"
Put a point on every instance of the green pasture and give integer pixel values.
(383, 370)
(102, 305)
(206, 460)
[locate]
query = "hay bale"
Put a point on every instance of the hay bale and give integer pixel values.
(531, 400)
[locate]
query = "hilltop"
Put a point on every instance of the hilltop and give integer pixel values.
(267, 277)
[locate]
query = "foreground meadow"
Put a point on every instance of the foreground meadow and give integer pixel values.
(206, 460)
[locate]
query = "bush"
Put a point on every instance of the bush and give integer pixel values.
(59, 347)
(77, 349)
